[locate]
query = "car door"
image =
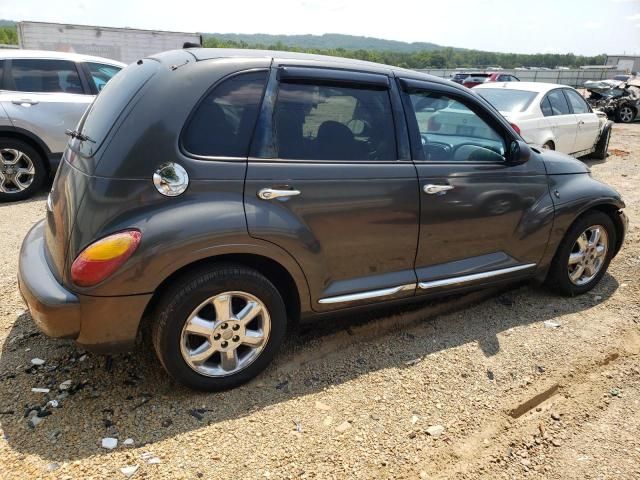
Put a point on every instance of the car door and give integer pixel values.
(561, 120)
(482, 217)
(331, 182)
(588, 124)
(44, 97)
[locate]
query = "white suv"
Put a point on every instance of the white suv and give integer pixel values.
(552, 116)
(42, 95)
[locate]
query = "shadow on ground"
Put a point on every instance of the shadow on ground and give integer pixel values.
(131, 396)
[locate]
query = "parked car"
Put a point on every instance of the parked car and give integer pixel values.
(459, 77)
(619, 100)
(475, 79)
(211, 197)
(553, 116)
(42, 94)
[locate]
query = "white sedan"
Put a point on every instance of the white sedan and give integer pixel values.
(552, 116)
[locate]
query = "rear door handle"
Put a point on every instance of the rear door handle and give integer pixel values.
(25, 102)
(432, 189)
(271, 193)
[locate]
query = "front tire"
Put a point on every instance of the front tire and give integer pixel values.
(600, 153)
(583, 255)
(22, 170)
(217, 327)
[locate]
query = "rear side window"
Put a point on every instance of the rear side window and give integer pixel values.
(578, 103)
(324, 122)
(559, 105)
(545, 106)
(223, 122)
(45, 76)
(101, 73)
(109, 104)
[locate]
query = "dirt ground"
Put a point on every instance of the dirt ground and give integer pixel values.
(509, 384)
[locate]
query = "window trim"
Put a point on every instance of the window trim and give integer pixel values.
(10, 85)
(559, 89)
(264, 147)
(414, 132)
(86, 71)
(220, 81)
(567, 98)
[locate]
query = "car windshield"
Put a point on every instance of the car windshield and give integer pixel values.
(507, 100)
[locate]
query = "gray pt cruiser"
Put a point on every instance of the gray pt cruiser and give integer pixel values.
(209, 197)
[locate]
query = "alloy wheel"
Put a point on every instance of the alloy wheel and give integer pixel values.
(626, 114)
(588, 255)
(16, 171)
(225, 334)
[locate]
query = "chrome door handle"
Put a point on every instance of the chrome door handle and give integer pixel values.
(25, 102)
(431, 189)
(271, 193)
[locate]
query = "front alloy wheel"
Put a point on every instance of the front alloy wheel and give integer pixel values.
(588, 255)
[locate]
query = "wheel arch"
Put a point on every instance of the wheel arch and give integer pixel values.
(294, 294)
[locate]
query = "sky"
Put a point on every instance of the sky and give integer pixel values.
(587, 27)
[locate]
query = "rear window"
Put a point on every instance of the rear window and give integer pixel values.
(506, 100)
(110, 103)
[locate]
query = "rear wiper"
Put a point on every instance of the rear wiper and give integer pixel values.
(79, 136)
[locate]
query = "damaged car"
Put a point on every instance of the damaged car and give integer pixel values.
(619, 100)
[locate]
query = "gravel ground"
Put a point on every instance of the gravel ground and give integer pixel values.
(475, 387)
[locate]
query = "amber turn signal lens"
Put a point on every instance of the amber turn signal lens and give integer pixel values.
(102, 258)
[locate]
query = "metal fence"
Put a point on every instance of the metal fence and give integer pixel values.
(574, 77)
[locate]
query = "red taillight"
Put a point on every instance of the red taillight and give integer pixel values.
(516, 128)
(102, 258)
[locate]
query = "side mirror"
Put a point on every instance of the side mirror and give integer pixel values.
(519, 152)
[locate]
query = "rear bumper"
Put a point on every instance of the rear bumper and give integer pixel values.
(97, 323)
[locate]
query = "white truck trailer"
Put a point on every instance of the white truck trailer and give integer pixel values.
(123, 44)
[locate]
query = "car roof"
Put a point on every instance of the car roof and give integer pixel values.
(324, 60)
(537, 87)
(49, 54)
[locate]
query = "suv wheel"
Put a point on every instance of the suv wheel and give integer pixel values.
(584, 254)
(22, 170)
(218, 327)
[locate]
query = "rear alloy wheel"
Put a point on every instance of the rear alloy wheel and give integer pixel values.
(583, 255)
(626, 114)
(217, 327)
(21, 170)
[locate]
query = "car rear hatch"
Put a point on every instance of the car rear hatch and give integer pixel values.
(81, 157)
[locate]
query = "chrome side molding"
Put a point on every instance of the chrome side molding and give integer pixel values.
(472, 277)
(384, 292)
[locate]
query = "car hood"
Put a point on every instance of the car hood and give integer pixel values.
(558, 163)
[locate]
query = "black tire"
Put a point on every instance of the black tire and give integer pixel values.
(549, 145)
(600, 153)
(558, 276)
(38, 164)
(189, 291)
(626, 114)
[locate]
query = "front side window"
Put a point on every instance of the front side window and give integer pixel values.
(452, 131)
(323, 122)
(559, 105)
(45, 76)
(223, 122)
(578, 103)
(101, 73)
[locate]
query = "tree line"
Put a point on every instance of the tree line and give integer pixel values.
(445, 57)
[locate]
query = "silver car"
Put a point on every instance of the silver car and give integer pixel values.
(42, 95)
